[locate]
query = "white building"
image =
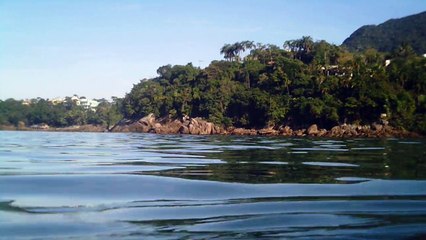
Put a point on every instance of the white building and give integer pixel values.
(89, 104)
(57, 100)
(75, 100)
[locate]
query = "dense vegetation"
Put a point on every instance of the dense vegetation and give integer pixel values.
(304, 82)
(41, 111)
(389, 35)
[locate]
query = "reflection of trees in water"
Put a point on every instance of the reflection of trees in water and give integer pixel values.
(365, 159)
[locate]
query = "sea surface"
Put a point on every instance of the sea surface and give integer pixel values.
(143, 186)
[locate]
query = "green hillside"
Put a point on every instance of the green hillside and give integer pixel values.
(390, 35)
(303, 83)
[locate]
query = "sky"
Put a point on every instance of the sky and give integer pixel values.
(100, 48)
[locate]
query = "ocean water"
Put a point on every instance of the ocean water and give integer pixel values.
(143, 186)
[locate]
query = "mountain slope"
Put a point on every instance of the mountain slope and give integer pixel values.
(391, 34)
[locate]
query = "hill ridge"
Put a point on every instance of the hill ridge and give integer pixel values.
(391, 34)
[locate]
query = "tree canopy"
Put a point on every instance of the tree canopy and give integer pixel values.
(304, 82)
(67, 113)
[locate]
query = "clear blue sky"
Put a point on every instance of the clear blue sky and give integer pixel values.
(100, 48)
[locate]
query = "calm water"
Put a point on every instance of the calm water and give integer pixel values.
(143, 186)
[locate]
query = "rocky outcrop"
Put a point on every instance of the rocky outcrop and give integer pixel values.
(199, 126)
(373, 130)
(186, 125)
(241, 131)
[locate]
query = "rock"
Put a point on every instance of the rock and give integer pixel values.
(243, 131)
(200, 126)
(312, 130)
(188, 125)
(208, 128)
(237, 131)
(353, 132)
(336, 131)
(120, 126)
(286, 131)
(217, 130)
(145, 124)
(388, 128)
(377, 127)
(172, 127)
(193, 129)
(184, 130)
(267, 131)
(148, 120)
(299, 133)
(322, 133)
(193, 121)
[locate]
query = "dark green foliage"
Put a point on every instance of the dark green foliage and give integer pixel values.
(306, 82)
(12, 112)
(390, 35)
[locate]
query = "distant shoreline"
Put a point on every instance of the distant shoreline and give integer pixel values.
(82, 128)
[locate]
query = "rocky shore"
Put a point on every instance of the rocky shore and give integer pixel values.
(198, 126)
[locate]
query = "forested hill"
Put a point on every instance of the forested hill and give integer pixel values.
(301, 83)
(390, 35)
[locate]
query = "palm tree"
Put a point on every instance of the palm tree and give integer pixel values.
(300, 48)
(232, 51)
(227, 52)
(306, 44)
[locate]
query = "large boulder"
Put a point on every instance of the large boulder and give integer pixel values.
(200, 126)
(336, 131)
(169, 127)
(121, 126)
(147, 123)
(312, 130)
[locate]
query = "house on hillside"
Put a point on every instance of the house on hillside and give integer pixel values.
(76, 100)
(57, 101)
(89, 104)
(26, 102)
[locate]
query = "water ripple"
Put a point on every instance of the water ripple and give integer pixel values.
(146, 186)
